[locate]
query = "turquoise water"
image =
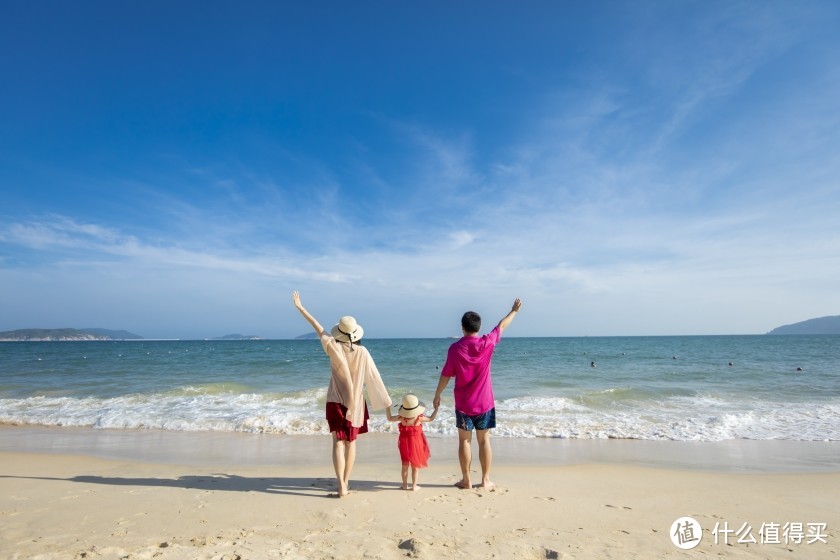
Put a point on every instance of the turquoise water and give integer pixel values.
(653, 388)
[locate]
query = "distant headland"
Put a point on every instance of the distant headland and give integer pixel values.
(238, 337)
(48, 335)
(820, 325)
(306, 336)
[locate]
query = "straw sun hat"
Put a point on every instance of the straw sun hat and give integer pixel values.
(347, 330)
(411, 407)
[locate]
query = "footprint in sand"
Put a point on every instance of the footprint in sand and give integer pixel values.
(447, 496)
(122, 527)
(110, 551)
(290, 550)
(493, 490)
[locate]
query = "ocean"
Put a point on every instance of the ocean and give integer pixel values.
(686, 388)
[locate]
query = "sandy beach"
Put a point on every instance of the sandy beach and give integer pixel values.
(122, 494)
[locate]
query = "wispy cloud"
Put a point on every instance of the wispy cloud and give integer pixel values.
(79, 244)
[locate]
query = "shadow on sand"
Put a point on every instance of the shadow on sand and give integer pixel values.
(295, 486)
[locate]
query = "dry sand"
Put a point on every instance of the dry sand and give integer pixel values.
(66, 505)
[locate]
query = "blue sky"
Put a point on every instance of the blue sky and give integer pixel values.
(626, 168)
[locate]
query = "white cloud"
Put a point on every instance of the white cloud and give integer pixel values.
(461, 239)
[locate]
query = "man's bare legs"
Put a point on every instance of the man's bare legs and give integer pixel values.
(464, 457)
(344, 457)
(485, 457)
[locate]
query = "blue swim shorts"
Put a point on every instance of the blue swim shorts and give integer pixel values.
(483, 421)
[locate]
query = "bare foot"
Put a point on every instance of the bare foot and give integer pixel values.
(463, 484)
(489, 486)
(404, 486)
(415, 488)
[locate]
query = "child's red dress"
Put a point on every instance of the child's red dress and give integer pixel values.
(414, 449)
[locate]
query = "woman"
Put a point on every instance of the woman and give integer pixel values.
(351, 370)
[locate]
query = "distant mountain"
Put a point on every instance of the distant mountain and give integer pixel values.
(821, 325)
(114, 335)
(238, 337)
(66, 334)
(306, 336)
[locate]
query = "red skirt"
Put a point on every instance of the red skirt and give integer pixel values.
(338, 422)
(414, 449)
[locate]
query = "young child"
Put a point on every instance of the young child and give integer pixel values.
(414, 449)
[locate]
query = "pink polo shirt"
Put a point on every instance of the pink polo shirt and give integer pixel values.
(468, 360)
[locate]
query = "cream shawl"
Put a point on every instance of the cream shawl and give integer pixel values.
(351, 371)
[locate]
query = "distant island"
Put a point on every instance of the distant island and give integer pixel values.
(820, 325)
(238, 337)
(307, 336)
(49, 335)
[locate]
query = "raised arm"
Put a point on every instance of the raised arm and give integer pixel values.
(315, 324)
(506, 320)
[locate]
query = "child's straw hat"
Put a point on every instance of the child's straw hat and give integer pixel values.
(411, 407)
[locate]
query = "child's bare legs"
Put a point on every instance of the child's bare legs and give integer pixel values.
(415, 478)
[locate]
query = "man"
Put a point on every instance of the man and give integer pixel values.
(468, 361)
